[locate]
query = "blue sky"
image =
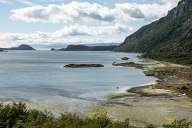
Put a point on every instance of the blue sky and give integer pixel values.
(47, 22)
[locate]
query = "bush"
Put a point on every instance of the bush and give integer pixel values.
(179, 124)
(17, 115)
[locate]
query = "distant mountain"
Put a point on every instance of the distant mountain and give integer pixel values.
(102, 44)
(86, 48)
(43, 46)
(169, 38)
(64, 45)
(20, 47)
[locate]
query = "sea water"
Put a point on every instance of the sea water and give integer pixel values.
(39, 77)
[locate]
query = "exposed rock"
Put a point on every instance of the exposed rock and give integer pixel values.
(125, 58)
(53, 49)
(149, 73)
(183, 7)
(129, 64)
(83, 65)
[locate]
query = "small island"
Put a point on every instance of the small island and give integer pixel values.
(83, 65)
(125, 58)
(20, 47)
(129, 64)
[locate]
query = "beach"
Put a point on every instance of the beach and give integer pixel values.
(161, 102)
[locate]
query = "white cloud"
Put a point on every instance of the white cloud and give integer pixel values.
(172, 2)
(82, 11)
(95, 30)
(26, 2)
(143, 11)
(72, 34)
(84, 22)
(74, 11)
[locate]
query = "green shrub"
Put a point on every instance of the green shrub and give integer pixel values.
(179, 124)
(17, 115)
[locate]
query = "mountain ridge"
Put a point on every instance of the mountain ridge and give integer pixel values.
(168, 39)
(86, 48)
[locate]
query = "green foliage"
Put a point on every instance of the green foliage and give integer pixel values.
(179, 124)
(18, 116)
(12, 115)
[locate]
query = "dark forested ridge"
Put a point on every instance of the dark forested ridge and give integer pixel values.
(87, 48)
(169, 38)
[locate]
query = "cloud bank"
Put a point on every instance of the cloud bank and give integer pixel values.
(26, 2)
(82, 11)
(69, 35)
(85, 22)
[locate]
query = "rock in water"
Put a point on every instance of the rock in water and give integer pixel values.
(53, 49)
(83, 65)
(125, 58)
(129, 64)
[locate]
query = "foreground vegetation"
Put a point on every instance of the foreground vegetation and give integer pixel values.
(17, 115)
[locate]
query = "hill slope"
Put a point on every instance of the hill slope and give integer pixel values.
(169, 38)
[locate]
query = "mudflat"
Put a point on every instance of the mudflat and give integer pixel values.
(167, 100)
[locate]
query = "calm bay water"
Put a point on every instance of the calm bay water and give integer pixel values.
(39, 77)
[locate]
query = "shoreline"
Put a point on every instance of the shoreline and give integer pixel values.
(144, 65)
(125, 89)
(154, 70)
(142, 104)
(158, 102)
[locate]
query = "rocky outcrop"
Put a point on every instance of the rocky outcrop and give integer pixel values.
(83, 65)
(125, 58)
(129, 64)
(183, 8)
(53, 49)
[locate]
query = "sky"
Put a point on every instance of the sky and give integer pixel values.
(45, 22)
